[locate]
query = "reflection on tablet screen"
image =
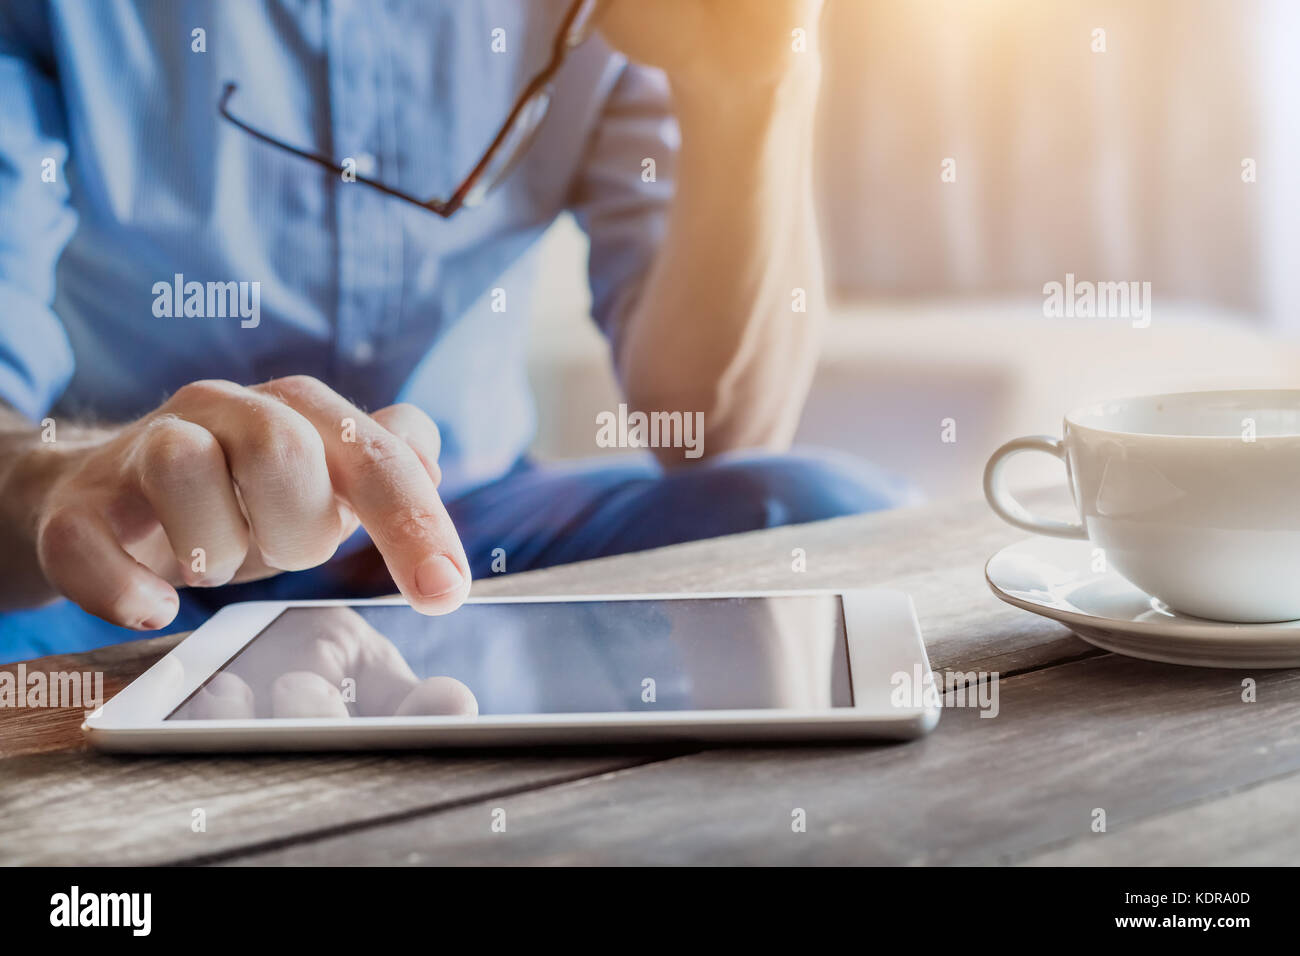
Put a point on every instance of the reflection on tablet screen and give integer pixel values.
(537, 658)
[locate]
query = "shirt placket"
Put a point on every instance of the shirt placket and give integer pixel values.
(365, 228)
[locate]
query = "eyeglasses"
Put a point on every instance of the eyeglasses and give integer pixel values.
(507, 148)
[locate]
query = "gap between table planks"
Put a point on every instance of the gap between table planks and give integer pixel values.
(1158, 747)
(61, 804)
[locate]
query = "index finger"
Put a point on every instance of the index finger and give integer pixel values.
(384, 482)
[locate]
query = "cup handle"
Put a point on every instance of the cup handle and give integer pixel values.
(1007, 507)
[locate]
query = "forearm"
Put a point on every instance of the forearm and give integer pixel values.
(716, 327)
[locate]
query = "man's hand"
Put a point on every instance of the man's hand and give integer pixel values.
(226, 483)
(713, 45)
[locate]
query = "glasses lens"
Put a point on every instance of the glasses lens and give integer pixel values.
(513, 147)
(583, 23)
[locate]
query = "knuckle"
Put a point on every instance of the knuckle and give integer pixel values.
(259, 430)
(410, 523)
(173, 450)
(273, 433)
(206, 390)
(381, 454)
(302, 388)
(172, 444)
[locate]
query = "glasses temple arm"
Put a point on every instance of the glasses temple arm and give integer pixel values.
(435, 205)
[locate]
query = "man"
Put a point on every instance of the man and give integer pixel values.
(220, 360)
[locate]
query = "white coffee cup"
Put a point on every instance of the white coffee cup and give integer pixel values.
(1193, 497)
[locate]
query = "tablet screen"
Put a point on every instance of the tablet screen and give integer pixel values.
(537, 658)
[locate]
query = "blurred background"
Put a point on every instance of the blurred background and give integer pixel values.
(1122, 164)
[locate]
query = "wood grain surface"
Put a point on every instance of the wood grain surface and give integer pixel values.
(1183, 768)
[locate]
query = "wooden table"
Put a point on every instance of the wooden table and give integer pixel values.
(1185, 770)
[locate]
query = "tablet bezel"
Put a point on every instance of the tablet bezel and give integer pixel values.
(135, 719)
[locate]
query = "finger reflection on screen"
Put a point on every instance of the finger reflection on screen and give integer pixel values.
(225, 697)
(545, 657)
(324, 662)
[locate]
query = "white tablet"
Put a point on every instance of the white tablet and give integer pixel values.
(315, 675)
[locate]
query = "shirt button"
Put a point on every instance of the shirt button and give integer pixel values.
(366, 164)
(363, 353)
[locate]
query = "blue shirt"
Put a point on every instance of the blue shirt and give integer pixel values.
(116, 101)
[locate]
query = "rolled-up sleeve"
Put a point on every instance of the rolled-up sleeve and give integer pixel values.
(36, 221)
(622, 195)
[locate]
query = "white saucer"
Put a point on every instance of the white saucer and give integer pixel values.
(1054, 577)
